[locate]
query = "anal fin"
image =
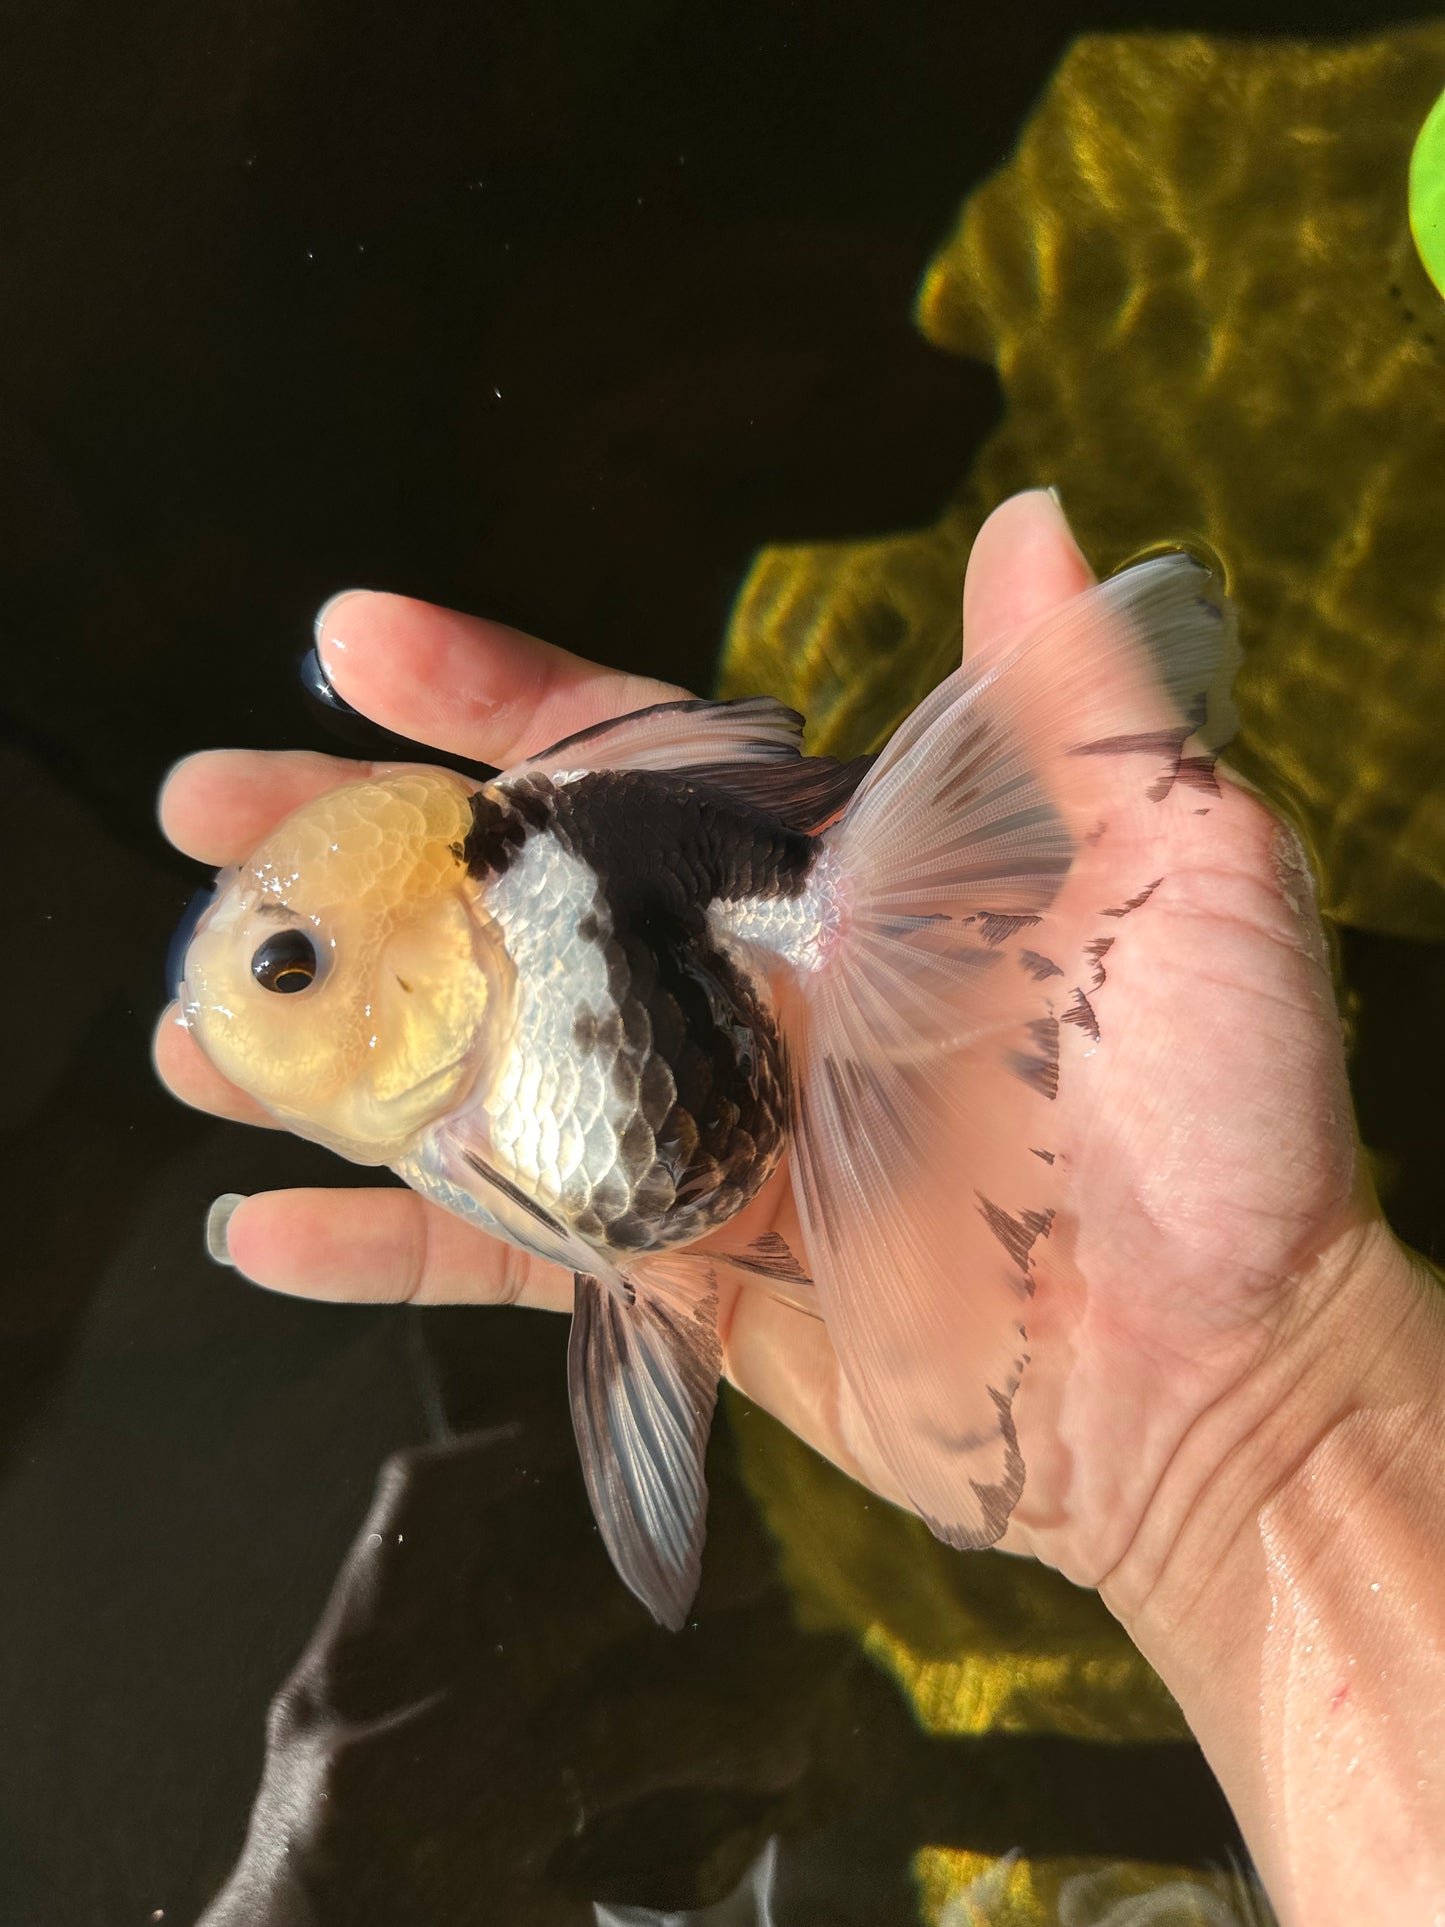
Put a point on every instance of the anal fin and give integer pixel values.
(643, 1381)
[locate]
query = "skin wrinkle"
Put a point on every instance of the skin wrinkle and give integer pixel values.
(419, 1248)
(1323, 1534)
(1173, 1428)
(1255, 1409)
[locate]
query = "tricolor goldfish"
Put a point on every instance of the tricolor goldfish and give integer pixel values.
(594, 1004)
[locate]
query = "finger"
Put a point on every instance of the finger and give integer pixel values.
(385, 1247)
(465, 685)
(1024, 562)
(189, 1075)
(218, 804)
(1087, 673)
(782, 1359)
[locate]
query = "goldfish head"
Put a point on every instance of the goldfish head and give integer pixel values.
(346, 975)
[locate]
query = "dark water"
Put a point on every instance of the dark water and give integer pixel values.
(265, 267)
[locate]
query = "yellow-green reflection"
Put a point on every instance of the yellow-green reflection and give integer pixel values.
(1197, 281)
(983, 1644)
(1427, 194)
(973, 1890)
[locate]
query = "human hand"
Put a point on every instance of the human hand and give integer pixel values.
(1212, 1163)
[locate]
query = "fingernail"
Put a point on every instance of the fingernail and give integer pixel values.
(327, 609)
(1058, 501)
(218, 1219)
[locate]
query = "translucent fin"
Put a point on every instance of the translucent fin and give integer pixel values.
(680, 735)
(982, 871)
(751, 747)
(452, 1166)
(643, 1380)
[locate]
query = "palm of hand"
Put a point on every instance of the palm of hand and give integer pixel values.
(1212, 1152)
(1209, 1143)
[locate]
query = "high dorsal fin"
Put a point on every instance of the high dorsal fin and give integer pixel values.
(805, 794)
(679, 735)
(750, 748)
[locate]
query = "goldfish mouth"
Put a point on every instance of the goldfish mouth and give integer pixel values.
(456, 1078)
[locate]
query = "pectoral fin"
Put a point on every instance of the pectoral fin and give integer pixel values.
(643, 1381)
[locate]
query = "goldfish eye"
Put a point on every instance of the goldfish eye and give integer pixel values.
(285, 962)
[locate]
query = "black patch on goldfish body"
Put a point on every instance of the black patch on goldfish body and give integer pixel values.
(664, 844)
(698, 1056)
(691, 1042)
(502, 820)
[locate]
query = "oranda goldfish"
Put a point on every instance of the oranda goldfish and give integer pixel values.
(592, 1004)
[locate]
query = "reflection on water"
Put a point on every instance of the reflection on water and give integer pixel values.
(450, 1749)
(1009, 1893)
(1197, 281)
(996, 1645)
(749, 1905)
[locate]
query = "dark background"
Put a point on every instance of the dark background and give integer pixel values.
(556, 312)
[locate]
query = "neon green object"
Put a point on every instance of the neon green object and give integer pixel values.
(1427, 194)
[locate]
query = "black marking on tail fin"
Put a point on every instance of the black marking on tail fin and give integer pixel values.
(965, 786)
(997, 926)
(1096, 950)
(906, 926)
(1135, 903)
(1197, 773)
(1167, 743)
(1081, 1012)
(1040, 1069)
(850, 1082)
(1039, 967)
(1147, 742)
(1017, 1235)
(998, 1499)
